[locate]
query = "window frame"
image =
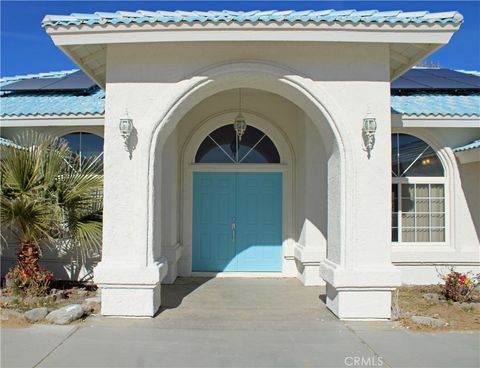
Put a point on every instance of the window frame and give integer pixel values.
(399, 181)
(81, 132)
(236, 160)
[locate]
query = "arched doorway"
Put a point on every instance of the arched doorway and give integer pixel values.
(262, 171)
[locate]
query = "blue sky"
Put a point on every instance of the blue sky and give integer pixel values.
(25, 47)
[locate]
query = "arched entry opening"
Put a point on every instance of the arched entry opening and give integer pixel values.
(357, 267)
(281, 153)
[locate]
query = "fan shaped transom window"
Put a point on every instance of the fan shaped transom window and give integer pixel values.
(224, 145)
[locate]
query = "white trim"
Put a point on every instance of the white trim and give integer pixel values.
(423, 33)
(53, 120)
(432, 121)
(286, 167)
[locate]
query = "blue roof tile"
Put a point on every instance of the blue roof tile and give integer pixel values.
(437, 104)
(49, 103)
(71, 103)
(305, 16)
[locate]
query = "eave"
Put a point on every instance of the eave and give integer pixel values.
(86, 45)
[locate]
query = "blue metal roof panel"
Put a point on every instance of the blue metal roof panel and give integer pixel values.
(437, 104)
(469, 146)
(305, 16)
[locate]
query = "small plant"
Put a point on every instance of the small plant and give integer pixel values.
(24, 282)
(459, 286)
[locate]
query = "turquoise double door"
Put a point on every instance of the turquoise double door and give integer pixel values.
(237, 222)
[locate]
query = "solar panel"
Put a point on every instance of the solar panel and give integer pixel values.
(29, 84)
(77, 81)
(436, 79)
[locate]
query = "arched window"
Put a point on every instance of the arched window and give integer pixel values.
(418, 192)
(85, 145)
(224, 146)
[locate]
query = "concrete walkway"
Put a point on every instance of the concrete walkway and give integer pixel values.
(230, 322)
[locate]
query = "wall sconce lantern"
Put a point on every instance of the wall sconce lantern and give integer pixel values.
(369, 128)
(126, 128)
(239, 124)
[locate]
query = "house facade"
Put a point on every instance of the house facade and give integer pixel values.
(268, 144)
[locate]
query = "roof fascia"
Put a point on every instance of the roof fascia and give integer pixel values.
(58, 120)
(105, 34)
(429, 121)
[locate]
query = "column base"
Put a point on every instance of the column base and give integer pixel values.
(360, 294)
(307, 260)
(360, 303)
(130, 291)
(130, 300)
(308, 274)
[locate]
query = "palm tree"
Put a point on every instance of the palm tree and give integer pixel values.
(48, 198)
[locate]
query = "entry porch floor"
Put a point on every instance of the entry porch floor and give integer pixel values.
(235, 322)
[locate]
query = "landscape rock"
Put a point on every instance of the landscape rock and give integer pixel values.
(66, 314)
(429, 321)
(9, 314)
(433, 296)
(36, 314)
(91, 303)
(95, 299)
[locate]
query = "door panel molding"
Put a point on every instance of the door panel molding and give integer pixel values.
(254, 201)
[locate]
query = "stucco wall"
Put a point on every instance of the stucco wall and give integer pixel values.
(352, 76)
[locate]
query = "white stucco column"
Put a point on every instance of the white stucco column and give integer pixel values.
(311, 198)
(358, 269)
(128, 275)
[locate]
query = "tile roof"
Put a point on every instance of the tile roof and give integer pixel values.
(469, 146)
(17, 104)
(437, 104)
(269, 16)
(35, 103)
(53, 103)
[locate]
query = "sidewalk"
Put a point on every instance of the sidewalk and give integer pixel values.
(325, 344)
(236, 323)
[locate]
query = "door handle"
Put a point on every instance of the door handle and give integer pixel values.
(234, 229)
